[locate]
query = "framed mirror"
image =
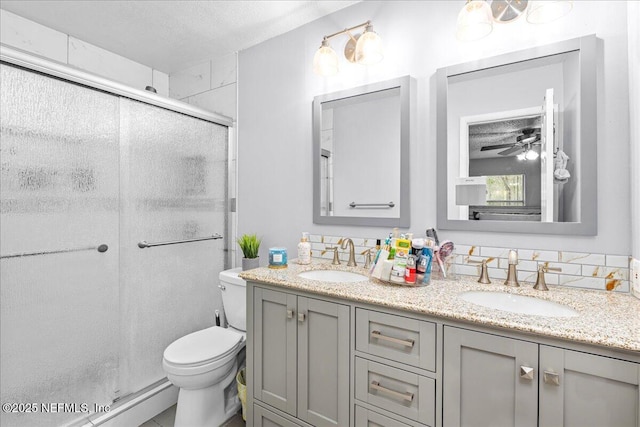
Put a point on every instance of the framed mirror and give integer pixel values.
(361, 140)
(517, 141)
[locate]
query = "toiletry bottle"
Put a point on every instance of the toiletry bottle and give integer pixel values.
(410, 270)
(304, 249)
(424, 265)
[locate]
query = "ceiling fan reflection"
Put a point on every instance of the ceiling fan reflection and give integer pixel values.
(528, 138)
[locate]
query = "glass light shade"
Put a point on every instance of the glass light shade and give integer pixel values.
(369, 47)
(531, 155)
(521, 156)
(475, 21)
(542, 12)
(325, 61)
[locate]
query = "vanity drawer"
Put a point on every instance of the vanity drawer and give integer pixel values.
(367, 418)
(264, 418)
(404, 393)
(397, 338)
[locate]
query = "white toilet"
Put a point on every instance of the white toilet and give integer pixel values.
(204, 364)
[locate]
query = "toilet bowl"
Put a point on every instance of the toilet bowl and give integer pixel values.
(203, 364)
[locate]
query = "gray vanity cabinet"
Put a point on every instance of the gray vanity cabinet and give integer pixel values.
(490, 380)
(301, 348)
(580, 390)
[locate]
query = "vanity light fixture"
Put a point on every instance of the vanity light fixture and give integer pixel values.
(476, 18)
(365, 48)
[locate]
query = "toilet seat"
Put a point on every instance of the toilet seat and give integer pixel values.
(202, 347)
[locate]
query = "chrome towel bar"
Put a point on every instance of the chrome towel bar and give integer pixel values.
(371, 205)
(144, 244)
(99, 248)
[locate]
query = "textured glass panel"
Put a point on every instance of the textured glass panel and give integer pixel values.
(174, 176)
(58, 190)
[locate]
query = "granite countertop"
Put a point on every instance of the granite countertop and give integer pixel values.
(606, 319)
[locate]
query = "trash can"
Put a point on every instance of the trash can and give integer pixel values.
(242, 391)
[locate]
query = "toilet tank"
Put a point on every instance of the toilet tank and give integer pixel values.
(234, 298)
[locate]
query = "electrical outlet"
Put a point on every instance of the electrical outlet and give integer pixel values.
(635, 277)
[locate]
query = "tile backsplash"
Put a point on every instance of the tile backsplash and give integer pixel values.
(578, 270)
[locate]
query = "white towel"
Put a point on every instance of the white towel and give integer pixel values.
(560, 173)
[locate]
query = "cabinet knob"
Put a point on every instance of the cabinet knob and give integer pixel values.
(289, 314)
(301, 317)
(526, 372)
(551, 378)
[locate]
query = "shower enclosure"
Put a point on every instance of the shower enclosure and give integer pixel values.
(112, 212)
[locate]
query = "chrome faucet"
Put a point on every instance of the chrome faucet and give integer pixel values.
(352, 256)
(512, 273)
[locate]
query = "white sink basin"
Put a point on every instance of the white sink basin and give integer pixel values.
(518, 304)
(333, 276)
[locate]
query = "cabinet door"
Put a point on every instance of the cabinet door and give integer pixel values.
(485, 381)
(580, 389)
(265, 418)
(323, 362)
(274, 328)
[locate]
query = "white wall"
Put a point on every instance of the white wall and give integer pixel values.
(20, 33)
(634, 94)
(277, 86)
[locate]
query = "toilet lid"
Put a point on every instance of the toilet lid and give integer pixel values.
(202, 346)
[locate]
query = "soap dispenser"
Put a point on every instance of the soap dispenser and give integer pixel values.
(304, 249)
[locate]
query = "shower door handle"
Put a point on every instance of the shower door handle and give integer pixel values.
(143, 244)
(100, 248)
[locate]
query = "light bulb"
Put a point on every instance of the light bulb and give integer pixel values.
(475, 21)
(325, 61)
(369, 47)
(543, 12)
(531, 155)
(520, 156)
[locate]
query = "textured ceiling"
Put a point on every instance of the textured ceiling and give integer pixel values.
(170, 35)
(498, 133)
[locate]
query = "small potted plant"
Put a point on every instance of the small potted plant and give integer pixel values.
(250, 244)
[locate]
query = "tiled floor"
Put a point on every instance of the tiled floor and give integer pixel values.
(166, 419)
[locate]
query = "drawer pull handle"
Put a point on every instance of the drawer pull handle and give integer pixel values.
(289, 314)
(375, 385)
(551, 378)
(378, 335)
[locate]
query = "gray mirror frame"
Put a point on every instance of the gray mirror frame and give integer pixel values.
(587, 47)
(407, 88)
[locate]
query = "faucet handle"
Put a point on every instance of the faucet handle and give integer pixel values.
(484, 274)
(368, 258)
(336, 258)
(541, 284)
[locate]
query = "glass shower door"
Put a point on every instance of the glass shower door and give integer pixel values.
(174, 188)
(59, 201)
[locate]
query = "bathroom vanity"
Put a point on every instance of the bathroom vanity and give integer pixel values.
(363, 353)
